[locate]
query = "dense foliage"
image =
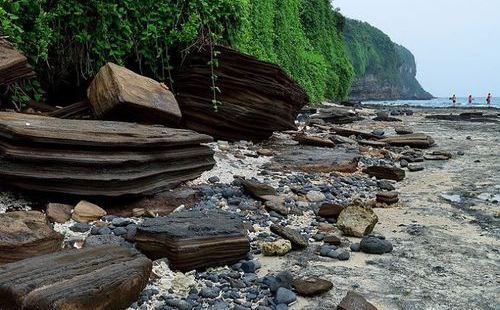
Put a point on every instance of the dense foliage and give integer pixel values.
(69, 40)
(305, 38)
(324, 28)
(370, 50)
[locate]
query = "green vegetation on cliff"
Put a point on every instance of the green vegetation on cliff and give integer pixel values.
(371, 51)
(67, 41)
(383, 69)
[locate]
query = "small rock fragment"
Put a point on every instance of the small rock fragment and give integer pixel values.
(58, 212)
(285, 296)
(354, 301)
(330, 210)
(311, 286)
(87, 212)
(315, 196)
(415, 167)
(357, 220)
(387, 197)
(298, 241)
(333, 240)
(276, 248)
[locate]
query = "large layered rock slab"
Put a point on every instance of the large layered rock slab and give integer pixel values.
(120, 93)
(25, 234)
(13, 65)
(104, 277)
(97, 158)
(256, 98)
(416, 140)
(194, 239)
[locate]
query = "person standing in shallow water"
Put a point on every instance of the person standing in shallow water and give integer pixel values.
(488, 99)
(454, 100)
(470, 99)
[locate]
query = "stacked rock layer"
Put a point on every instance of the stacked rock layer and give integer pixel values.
(194, 240)
(254, 98)
(97, 158)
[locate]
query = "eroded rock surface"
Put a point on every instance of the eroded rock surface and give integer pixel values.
(25, 234)
(194, 239)
(105, 277)
(357, 220)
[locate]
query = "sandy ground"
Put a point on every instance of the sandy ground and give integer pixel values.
(446, 254)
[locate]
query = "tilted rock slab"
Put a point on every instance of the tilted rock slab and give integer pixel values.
(298, 241)
(97, 158)
(256, 98)
(25, 234)
(194, 239)
(120, 93)
(104, 277)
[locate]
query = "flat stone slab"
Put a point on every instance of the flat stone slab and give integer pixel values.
(316, 159)
(416, 140)
(194, 239)
(257, 189)
(25, 234)
(385, 172)
(105, 277)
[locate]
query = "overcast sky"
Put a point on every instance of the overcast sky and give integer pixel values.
(456, 42)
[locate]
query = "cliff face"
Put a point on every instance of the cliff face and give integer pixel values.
(384, 70)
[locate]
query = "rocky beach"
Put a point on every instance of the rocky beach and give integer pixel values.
(332, 216)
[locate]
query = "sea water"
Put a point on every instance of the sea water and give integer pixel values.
(439, 102)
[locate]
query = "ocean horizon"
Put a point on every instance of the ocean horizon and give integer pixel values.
(439, 102)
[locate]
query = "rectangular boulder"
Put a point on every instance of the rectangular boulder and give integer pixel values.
(119, 93)
(194, 239)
